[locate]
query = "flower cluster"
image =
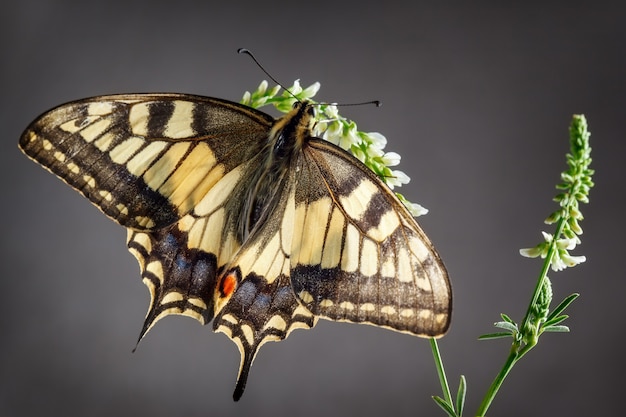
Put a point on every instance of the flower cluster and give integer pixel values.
(575, 186)
(561, 258)
(368, 147)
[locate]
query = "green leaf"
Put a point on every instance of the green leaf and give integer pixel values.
(460, 396)
(556, 329)
(445, 406)
(506, 326)
(498, 335)
(564, 304)
(555, 320)
(507, 318)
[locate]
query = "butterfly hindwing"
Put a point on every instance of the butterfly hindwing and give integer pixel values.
(181, 280)
(262, 306)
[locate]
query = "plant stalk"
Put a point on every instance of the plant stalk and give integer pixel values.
(445, 388)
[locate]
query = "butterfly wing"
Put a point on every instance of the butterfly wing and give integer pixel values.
(154, 163)
(145, 160)
(338, 245)
(182, 264)
(357, 253)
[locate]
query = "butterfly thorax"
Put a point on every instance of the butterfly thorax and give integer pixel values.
(285, 141)
(290, 132)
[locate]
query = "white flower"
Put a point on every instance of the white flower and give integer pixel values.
(397, 179)
(333, 133)
(262, 88)
(246, 98)
(561, 259)
(295, 88)
(274, 91)
(558, 265)
(568, 244)
(547, 237)
(415, 209)
(573, 224)
(378, 140)
(531, 252)
(570, 260)
(331, 111)
(319, 128)
(311, 90)
(391, 159)
(375, 152)
(358, 153)
(349, 138)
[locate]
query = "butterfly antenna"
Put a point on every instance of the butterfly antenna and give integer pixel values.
(377, 103)
(251, 55)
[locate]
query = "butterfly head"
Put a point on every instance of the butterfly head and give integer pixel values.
(304, 114)
(290, 132)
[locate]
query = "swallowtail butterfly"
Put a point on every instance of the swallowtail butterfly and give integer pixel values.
(244, 220)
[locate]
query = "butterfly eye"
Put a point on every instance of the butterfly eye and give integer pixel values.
(310, 111)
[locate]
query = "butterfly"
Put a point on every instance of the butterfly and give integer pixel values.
(245, 220)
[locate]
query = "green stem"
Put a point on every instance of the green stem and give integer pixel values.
(520, 347)
(440, 371)
(497, 382)
(544, 272)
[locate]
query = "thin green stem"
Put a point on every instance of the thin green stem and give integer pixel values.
(542, 276)
(520, 347)
(529, 343)
(497, 382)
(445, 387)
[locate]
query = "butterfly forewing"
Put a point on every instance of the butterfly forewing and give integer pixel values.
(357, 253)
(145, 159)
(234, 215)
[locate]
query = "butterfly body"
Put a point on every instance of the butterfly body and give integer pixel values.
(245, 220)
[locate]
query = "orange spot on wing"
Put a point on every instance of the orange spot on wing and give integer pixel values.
(229, 283)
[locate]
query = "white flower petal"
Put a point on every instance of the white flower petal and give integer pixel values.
(274, 91)
(568, 244)
(391, 159)
(296, 88)
(571, 261)
(547, 236)
(262, 87)
(530, 252)
(558, 264)
(415, 209)
(400, 177)
(375, 152)
(331, 112)
(377, 139)
(311, 90)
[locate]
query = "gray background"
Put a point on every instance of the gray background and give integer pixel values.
(477, 99)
